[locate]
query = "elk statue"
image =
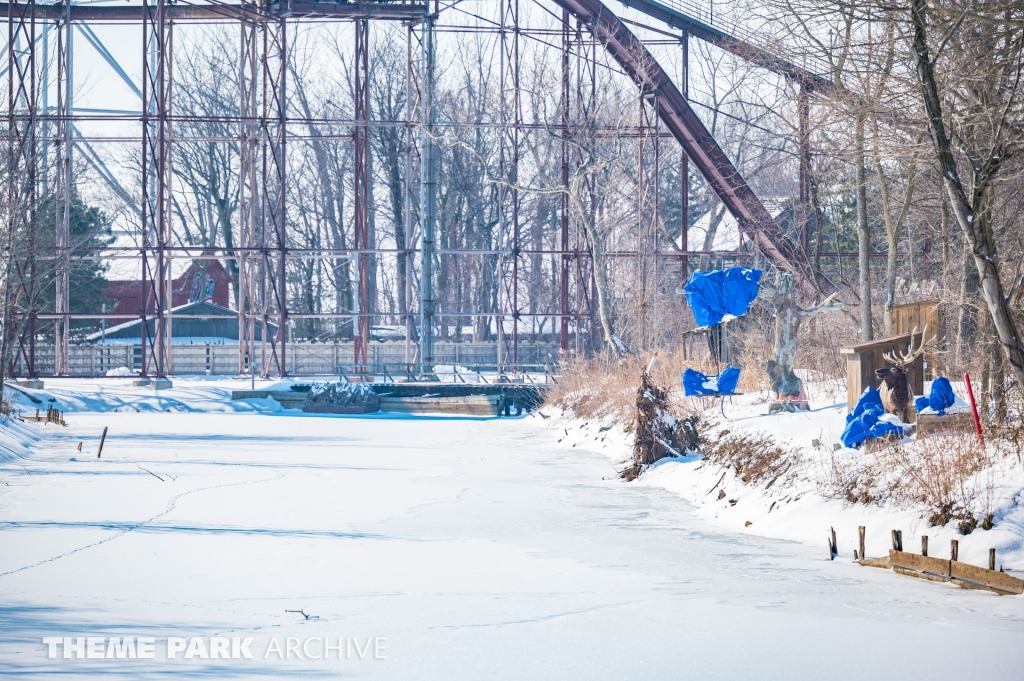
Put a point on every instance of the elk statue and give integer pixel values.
(895, 389)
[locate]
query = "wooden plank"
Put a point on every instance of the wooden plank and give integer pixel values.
(980, 587)
(928, 424)
(919, 575)
(989, 578)
(881, 562)
(911, 561)
(335, 409)
(475, 405)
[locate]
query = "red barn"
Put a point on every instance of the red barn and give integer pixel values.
(191, 286)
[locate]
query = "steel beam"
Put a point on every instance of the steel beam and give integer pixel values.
(275, 57)
(708, 32)
(248, 191)
(564, 207)
(361, 186)
(428, 193)
(705, 152)
(211, 12)
(63, 186)
(21, 196)
(156, 190)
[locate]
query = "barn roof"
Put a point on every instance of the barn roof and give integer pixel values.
(201, 319)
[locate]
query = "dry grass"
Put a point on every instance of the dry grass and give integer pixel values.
(942, 474)
(606, 388)
(756, 457)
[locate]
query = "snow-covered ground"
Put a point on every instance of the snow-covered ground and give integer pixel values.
(801, 508)
(461, 548)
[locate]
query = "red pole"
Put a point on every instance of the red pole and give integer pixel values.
(974, 409)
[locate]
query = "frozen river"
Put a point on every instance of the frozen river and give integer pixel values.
(443, 548)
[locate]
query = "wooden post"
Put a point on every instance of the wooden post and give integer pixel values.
(102, 440)
(991, 559)
(954, 548)
(897, 540)
(860, 531)
(924, 545)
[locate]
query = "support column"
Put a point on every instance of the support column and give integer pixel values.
(428, 195)
(508, 170)
(405, 258)
(248, 191)
(275, 45)
(63, 189)
(155, 189)
(565, 259)
(21, 119)
(361, 186)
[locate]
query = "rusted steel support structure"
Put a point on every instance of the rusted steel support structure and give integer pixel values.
(64, 157)
(565, 259)
(521, 261)
(156, 189)
(21, 153)
(676, 14)
(216, 11)
(508, 191)
(361, 187)
(274, 230)
(428, 192)
(249, 188)
(684, 124)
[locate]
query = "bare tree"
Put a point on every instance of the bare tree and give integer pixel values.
(980, 101)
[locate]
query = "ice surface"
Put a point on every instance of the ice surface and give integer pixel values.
(479, 548)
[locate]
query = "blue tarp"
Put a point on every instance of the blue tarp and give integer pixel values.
(863, 422)
(940, 399)
(696, 383)
(715, 294)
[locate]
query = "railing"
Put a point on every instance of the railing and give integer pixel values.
(721, 19)
(304, 359)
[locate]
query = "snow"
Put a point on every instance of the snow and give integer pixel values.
(958, 406)
(476, 547)
(802, 511)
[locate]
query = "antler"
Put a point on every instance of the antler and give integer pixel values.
(905, 358)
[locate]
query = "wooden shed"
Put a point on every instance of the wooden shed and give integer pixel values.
(864, 358)
(918, 315)
(921, 315)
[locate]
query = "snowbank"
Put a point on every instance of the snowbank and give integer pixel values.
(16, 438)
(806, 501)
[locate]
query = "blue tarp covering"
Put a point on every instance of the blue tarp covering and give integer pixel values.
(715, 294)
(940, 399)
(863, 422)
(696, 383)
